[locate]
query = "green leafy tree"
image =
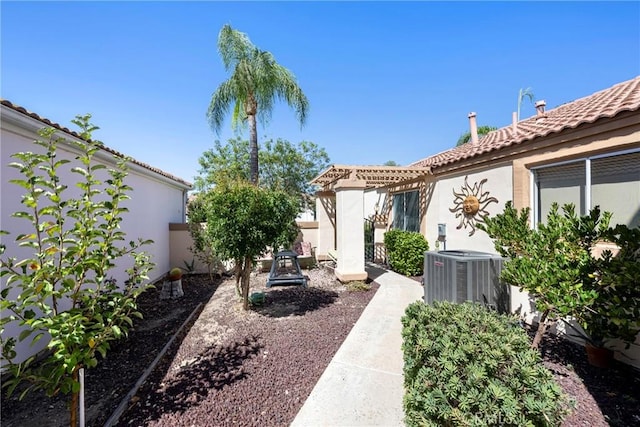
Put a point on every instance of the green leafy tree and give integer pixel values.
(482, 131)
(224, 162)
(284, 166)
(615, 312)
(256, 82)
(553, 262)
(63, 291)
(390, 163)
(242, 220)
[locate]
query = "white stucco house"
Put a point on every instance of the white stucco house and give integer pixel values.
(157, 199)
(585, 152)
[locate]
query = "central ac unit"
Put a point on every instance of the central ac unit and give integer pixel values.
(461, 275)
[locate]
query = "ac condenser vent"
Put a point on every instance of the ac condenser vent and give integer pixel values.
(462, 275)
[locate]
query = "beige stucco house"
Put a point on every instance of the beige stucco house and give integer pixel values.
(585, 152)
(157, 200)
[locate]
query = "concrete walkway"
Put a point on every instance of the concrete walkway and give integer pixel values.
(363, 384)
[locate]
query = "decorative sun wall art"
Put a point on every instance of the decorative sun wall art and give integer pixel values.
(470, 204)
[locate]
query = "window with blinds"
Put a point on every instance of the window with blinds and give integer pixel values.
(614, 185)
(561, 184)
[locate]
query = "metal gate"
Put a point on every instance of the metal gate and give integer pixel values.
(369, 247)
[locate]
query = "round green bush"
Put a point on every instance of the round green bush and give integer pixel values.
(468, 366)
(405, 251)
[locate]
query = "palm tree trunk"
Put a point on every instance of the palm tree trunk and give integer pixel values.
(253, 146)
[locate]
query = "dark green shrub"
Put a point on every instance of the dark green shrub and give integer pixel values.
(390, 239)
(405, 251)
(467, 366)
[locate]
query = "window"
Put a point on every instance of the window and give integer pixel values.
(406, 211)
(611, 182)
(615, 187)
(561, 184)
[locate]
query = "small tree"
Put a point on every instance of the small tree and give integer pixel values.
(242, 220)
(615, 313)
(63, 291)
(553, 263)
(197, 217)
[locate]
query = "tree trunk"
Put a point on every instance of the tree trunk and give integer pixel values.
(253, 148)
(75, 397)
(542, 328)
(239, 271)
(246, 276)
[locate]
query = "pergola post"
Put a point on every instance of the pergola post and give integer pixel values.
(350, 229)
(326, 217)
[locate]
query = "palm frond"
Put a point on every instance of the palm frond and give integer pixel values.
(220, 104)
(234, 46)
(256, 77)
(522, 94)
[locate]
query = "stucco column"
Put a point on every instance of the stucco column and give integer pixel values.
(326, 217)
(350, 230)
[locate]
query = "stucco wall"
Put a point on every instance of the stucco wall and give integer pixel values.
(154, 202)
(372, 199)
(441, 198)
(308, 232)
(180, 242)
(598, 139)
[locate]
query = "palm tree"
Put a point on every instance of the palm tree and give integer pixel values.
(482, 131)
(524, 93)
(256, 81)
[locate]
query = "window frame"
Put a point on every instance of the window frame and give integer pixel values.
(404, 210)
(535, 188)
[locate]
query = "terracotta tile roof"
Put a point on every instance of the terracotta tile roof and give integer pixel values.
(104, 147)
(606, 103)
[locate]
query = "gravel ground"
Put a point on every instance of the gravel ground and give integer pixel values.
(250, 368)
(112, 379)
(603, 397)
(256, 368)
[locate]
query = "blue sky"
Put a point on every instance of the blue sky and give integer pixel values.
(385, 80)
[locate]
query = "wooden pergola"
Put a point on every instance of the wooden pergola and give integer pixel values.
(374, 176)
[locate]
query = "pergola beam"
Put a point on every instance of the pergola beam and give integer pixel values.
(374, 176)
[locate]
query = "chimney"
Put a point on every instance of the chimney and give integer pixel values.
(473, 127)
(514, 122)
(540, 108)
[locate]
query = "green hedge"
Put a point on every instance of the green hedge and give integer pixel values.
(467, 366)
(405, 251)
